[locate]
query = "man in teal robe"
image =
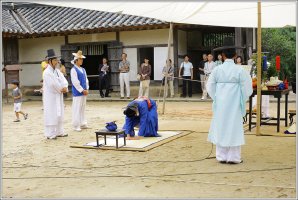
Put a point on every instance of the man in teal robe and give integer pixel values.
(230, 87)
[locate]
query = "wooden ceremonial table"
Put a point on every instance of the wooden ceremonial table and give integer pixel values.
(106, 132)
(276, 94)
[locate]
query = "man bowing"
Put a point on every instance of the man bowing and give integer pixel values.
(230, 87)
(54, 85)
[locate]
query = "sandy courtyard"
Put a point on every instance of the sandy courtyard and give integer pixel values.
(34, 167)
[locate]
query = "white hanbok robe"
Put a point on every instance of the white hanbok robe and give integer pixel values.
(53, 82)
(230, 87)
(78, 102)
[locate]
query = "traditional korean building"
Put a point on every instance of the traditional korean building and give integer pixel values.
(28, 30)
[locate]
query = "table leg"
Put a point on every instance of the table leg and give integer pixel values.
(278, 113)
(97, 140)
(117, 141)
(105, 139)
(250, 112)
(286, 110)
(124, 139)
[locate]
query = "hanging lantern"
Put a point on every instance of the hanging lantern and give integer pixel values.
(264, 63)
(277, 63)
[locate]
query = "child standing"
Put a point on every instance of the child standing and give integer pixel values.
(17, 99)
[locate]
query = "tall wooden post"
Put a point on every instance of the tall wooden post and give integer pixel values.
(167, 70)
(259, 71)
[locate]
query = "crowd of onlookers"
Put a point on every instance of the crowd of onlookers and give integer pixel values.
(185, 72)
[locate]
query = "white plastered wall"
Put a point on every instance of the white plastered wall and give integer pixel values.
(35, 50)
(160, 57)
(97, 37)
(159, 36)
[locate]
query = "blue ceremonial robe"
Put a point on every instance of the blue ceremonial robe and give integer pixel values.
(147, 121)
(230, 87)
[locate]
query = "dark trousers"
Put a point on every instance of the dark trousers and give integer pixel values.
(104, 83)
(189, 86)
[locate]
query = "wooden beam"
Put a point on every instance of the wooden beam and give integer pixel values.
(259, 71)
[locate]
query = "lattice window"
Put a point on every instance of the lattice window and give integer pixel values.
(94, 49)
(215, 39)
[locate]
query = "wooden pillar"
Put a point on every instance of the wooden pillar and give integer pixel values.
(175, 61)
(259, 70)
(238, 40)
(66, 39)
(118, 36)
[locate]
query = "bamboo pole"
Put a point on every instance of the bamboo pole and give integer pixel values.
(167, 70)
(259, 71)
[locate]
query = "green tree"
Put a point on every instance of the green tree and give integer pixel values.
(282, 42)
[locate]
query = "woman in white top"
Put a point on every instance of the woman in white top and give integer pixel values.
(219, 60)
(186, 71)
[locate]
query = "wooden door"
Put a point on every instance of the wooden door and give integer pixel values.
(115, 50)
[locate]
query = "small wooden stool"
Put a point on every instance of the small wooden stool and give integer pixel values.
(292, 113)
(106, 132)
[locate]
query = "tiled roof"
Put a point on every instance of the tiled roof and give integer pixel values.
(9, 24)
(39, 19)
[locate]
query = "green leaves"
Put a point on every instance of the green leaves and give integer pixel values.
(280, 41)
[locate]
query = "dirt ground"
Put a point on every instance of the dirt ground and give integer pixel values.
(34, 167)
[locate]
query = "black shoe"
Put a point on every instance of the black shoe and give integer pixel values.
(223, 162)
(189, 96)
(102, 96)
(107, 95)
(121, 97)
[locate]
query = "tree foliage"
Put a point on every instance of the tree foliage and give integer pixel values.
(282, 42)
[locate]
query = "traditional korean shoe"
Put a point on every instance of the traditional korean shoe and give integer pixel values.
(85, 127)
(26, 116)
(62, 135)
(77, 129)
(232, 163)
(54, 137)
(17, 120)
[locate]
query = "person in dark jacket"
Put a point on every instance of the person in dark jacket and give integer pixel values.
(104, 82)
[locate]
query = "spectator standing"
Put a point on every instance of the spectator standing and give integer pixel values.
(168, 71)
(144, 72)
(201, 71)
(124, 68)
(104, 82)
(209, 66)
(186, 71)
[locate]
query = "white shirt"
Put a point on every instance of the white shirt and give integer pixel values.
(208, 67)
(187, 68)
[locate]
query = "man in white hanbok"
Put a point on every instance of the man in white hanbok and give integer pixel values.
(54, 85)
(80, 87)
(265, 98)
(230, 87)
